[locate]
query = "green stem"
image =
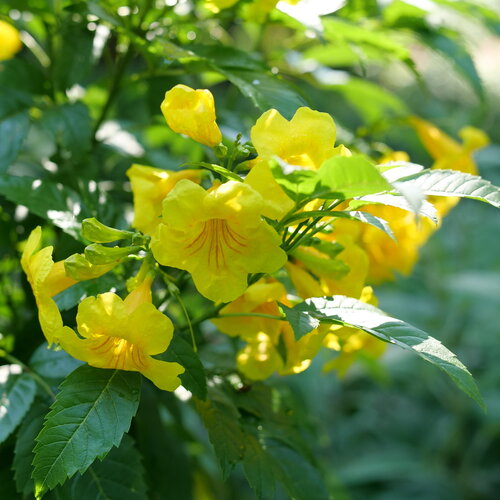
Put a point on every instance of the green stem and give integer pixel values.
(113, 90)
(37, 378)
(257, 315)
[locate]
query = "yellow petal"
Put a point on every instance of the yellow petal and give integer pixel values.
(57, 281)
(258, 360)
(149, 188)
(307, 140)
(10, 41)
(163, 374)
(277, 203)
(192, 112)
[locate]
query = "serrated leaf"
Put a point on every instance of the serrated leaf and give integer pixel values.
(258, 468)
(23, 451)
(221, 419)
(52, 364)
(194, 378)
(13, 131)
(17, 391)
(453, 183)
(357, 314)
(427, 209)
(120, 476)
(92, 411)
(301, 323)
(54, 202)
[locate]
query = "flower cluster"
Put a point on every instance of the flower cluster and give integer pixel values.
(255, 236)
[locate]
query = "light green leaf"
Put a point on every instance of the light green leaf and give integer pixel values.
(453, 183)
(120, 476)
(181, 351)
(13, 131)
(17, 391)
(345, 177)
(91, 413)
(352, 312)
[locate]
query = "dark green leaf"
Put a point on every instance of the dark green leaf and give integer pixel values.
(54, 202)
(92, 411)
(71, 126)
(75, 294)
(13, 131)
(17, 391)
(52, 364)
(221, 419)
(181, 351)
(120, 476)
(23, 452)
(352, 312)
(300, 323)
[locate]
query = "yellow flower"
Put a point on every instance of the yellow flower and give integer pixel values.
(351, 342)
(259, 298)
(124, 335)
(449, 154)
(277, 202)
(218, 236)
(10, 41)
(259, 359)
(149, 188)
(307, 140)
(47, 279)
(192, 112)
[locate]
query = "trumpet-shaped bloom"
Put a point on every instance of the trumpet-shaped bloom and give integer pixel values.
(47, 279)
(10, 41)
(149, 188)
(307, 140)
(351, 342)
(259, 298)
(192, 112)
(124, 335)
(218, 236)
(277, 202)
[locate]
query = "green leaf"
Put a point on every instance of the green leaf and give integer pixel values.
(300, 478)
(91, 413)
(453, 183)
(349, 176)
(298, 184)
(181, 351)
(120, 476)
(75, 294)
(52, 364)
(301, 323)
(357, 314)
(13, 131)
(54, 202)
(71, 126)
(23, 451)
(17, 391)
(258, 466)
(265, 90)
(221, 419)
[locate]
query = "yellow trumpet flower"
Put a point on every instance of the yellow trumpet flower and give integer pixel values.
(10, 41)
